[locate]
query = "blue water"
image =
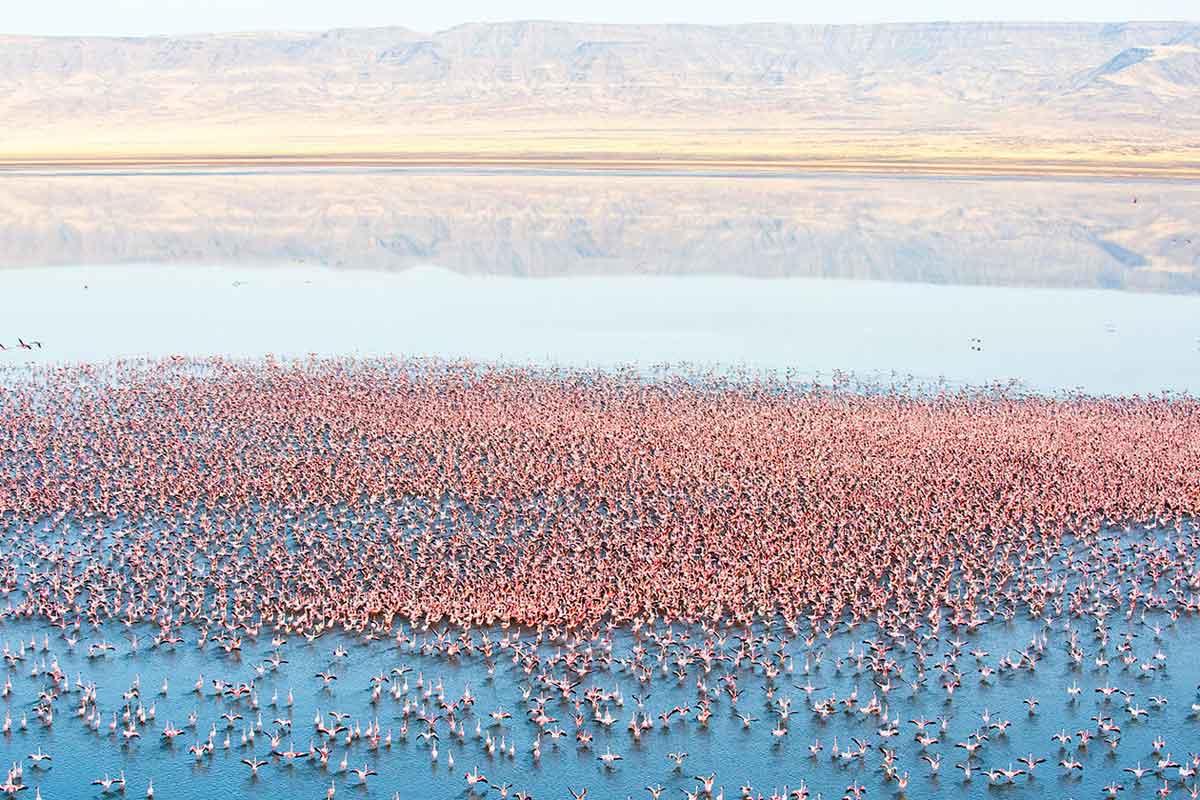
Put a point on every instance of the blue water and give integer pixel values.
(1048, 339)
(272, 281)
(737, 755)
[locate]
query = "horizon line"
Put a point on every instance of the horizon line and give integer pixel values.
(1022, 23)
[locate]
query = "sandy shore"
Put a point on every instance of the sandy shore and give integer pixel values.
(641, 162)
(589, 146)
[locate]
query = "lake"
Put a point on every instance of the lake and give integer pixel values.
(1088, 285)
(1062, 287)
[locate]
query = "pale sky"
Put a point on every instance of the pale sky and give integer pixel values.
(144, 17)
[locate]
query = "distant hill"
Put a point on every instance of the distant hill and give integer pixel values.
(1064, 91)
(1143, 78)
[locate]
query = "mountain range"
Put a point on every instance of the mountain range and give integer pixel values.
(950, 93)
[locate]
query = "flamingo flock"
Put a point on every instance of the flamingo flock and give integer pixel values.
(620, 557)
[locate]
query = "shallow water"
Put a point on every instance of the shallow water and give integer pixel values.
(737, 755)
(976, 281)
(971, 280)
(1049, 339)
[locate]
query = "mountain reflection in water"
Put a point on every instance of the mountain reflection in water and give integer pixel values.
(1062, 234)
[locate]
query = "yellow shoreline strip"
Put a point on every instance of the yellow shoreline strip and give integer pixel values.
(1124, 168)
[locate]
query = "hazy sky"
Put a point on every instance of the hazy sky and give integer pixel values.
(140, 17)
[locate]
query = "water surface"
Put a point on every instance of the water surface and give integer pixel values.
(1061, 285)
(1058, 285)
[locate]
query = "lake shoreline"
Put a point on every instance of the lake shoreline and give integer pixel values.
(698, 165)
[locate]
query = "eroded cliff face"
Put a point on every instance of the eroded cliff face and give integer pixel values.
(1078, 82)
